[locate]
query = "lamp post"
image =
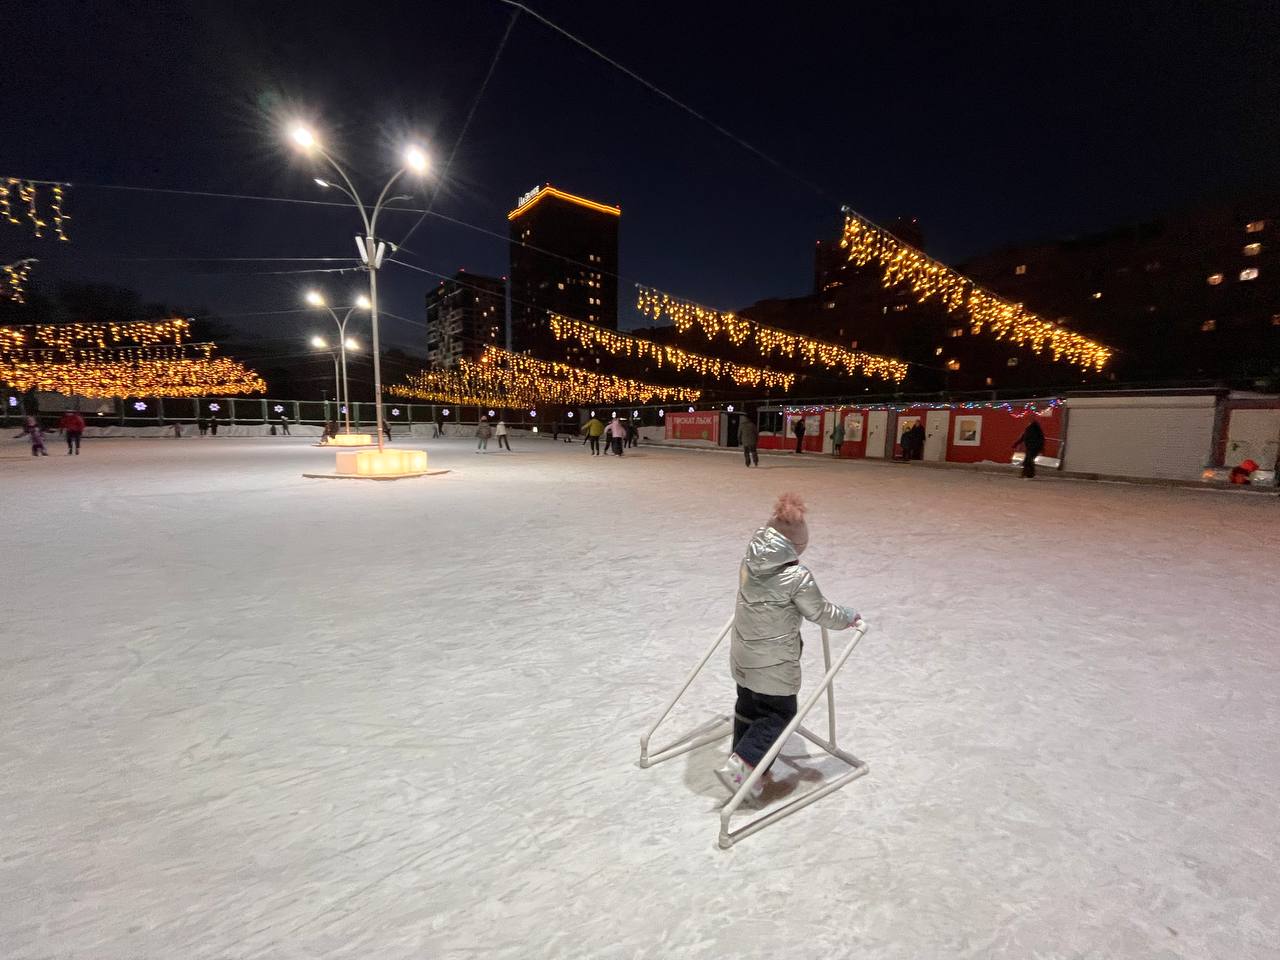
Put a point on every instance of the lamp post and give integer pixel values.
(370, 248)
(316, 299)
(320, 343)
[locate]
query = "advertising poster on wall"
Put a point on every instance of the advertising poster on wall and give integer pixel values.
(694, 427)
(968, 431)
(853, 427)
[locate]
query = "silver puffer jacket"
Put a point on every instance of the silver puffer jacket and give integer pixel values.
(774, 593)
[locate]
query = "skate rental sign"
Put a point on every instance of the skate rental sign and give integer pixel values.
(703, 426)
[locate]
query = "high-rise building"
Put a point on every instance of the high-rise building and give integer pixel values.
(564, 259)
(464, 315)
(1191, 294)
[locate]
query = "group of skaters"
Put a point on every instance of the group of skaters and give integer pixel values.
(70, 425)
(484, 432)
(617, 435)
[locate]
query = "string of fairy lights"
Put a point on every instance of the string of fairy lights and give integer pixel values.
(903, 264)
(29, 196)
(1018, 409)
(112, 360)
(768, 341)
(21, 201)
(618, 344)
(13, 281)
(502, 378)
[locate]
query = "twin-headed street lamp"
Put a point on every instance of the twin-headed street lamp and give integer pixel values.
(345, 343)
(370, 248)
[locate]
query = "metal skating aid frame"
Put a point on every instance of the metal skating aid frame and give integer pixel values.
(721, 726)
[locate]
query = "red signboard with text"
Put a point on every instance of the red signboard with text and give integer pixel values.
(694, 426)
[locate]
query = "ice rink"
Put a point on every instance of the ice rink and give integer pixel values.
(249, 715)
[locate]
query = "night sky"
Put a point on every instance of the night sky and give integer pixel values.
(989, 123)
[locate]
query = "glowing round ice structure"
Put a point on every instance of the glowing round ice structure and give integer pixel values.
(352, 440)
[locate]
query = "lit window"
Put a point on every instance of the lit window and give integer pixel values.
(988, 381)
(559, 286)
(1252, 249)
(1097, 294)
(899, 307)
(956, 332)
(938, 352)
(1255, 226)
(1209, 326)
(1020, 269)
(1275, 319)
(1152, 267)
(830, 305)
(953, 364)
(1213, 279)
(1249, 273)
(1011, 362)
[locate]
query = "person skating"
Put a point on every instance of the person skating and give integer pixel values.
(615, 432)
(775, 593)
(633, 434)
(799, 429)
(1032, 441)
(72, 426)
(594, 429)
(483, 433)
(502, 433)
(749, 437)
(213, 426)
(386, 430)
(31, 429)
(203, 425)
(284, 425)
(837, 438)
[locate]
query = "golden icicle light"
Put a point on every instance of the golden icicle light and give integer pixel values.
(589, 335)
(767, 340)
(902, 264)
(503, 379)
(114, 360)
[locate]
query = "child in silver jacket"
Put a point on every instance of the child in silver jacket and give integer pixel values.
(775, 595)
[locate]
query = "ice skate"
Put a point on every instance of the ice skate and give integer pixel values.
(734, 773)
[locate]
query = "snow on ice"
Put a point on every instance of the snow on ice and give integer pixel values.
(248, 715)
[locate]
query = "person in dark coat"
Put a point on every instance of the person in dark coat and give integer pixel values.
(798, 429)
(749, 437)
(203, 424)
(917, 442)
(1032, 441)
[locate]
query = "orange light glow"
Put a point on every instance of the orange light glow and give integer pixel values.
(552, 191)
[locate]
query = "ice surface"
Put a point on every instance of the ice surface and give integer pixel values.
(248, 715)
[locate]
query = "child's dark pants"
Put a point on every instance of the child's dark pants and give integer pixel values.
(758, 718)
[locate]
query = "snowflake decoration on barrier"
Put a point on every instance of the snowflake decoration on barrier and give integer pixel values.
(215, 407)
(139, 405)
(395, 411)
(278, 408)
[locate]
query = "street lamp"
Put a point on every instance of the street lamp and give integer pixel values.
(371, 249)
(320, 343)
(345, 343)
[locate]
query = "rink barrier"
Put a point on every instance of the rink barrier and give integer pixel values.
(719, 727)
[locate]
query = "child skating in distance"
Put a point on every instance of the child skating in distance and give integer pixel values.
(775, 593)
